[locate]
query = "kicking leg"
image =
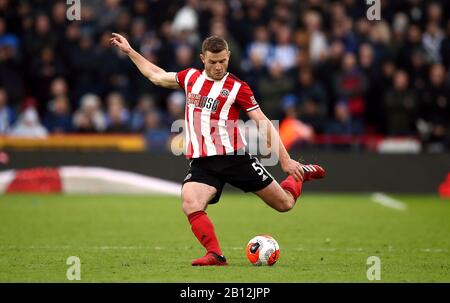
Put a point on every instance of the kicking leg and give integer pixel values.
(277, 197)
(195, 197)
(282, 197)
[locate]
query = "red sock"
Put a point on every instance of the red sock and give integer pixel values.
(292, 186)
(203, 229)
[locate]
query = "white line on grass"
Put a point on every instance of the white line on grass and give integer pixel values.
(388, 201)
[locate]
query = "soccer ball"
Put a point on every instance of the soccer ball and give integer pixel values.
(263, 250)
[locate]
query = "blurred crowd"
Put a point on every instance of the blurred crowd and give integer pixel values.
(319, 66)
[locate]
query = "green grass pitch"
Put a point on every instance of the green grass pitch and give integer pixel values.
(325, 238)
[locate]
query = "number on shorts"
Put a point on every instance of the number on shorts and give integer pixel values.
(258, 169)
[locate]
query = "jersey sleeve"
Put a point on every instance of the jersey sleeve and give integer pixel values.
(181, 76)
(246, 99)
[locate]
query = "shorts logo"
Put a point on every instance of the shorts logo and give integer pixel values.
(225, 92)
(188, 177)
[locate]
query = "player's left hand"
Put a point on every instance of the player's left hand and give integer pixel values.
(293, 168)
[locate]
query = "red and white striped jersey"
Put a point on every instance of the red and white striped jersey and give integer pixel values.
(212, 112)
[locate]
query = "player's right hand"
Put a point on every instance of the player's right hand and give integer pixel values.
(120, 42)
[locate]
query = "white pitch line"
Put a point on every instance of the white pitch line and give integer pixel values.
(388, 201)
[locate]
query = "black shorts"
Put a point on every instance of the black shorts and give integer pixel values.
(242, 171)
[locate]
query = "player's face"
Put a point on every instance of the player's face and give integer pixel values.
(216, 64)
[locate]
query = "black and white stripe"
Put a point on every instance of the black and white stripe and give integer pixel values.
(309, 168)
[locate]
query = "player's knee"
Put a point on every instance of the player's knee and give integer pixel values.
(190, 205)
(285, 205)
(284, 208)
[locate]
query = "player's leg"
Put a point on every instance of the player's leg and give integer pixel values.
(277, 197)
(283, 197)
(251, 176)
(199, 189)
(195, 197)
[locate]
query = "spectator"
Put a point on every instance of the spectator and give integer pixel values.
(436, 109)
(28, 125)
(374, 91)
(184, 58)
(185, 22)
(342, 32)
(313, 113)
(414, 39)
(436, 96)
(156, 135)
(107, 13)
(59, 18)
(84, 65)
(11, 72)
(7, 115)
(284, 52)
(258, 48)
(59, 89)
(292, 130)
(310, 89)
(343, 124)
(46, 67)
(59, 118)
(418, 70)
(152, 51)
(318, 45)
(167, 41)
(175, 107)
(89, 117)
(256, 72)
(380, 40)
(123, 22)
(116, 124)
(145, 104)
(8, 40)
(138, 32)
(400, 26)
(328, 69)
(272, 88)
(445, 48)
(351, 86)
(432, 41)
(118, 115)
(434, 12)
(112, 68)
(400, 106)
(41, 37)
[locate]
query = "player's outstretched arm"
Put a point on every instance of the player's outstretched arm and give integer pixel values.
(154, 73)
(289, 166)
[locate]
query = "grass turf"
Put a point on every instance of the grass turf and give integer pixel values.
(325, 238)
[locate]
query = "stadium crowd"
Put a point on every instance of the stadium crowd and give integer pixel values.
(319, 66)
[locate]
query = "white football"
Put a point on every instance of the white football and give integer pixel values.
(263, 250)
